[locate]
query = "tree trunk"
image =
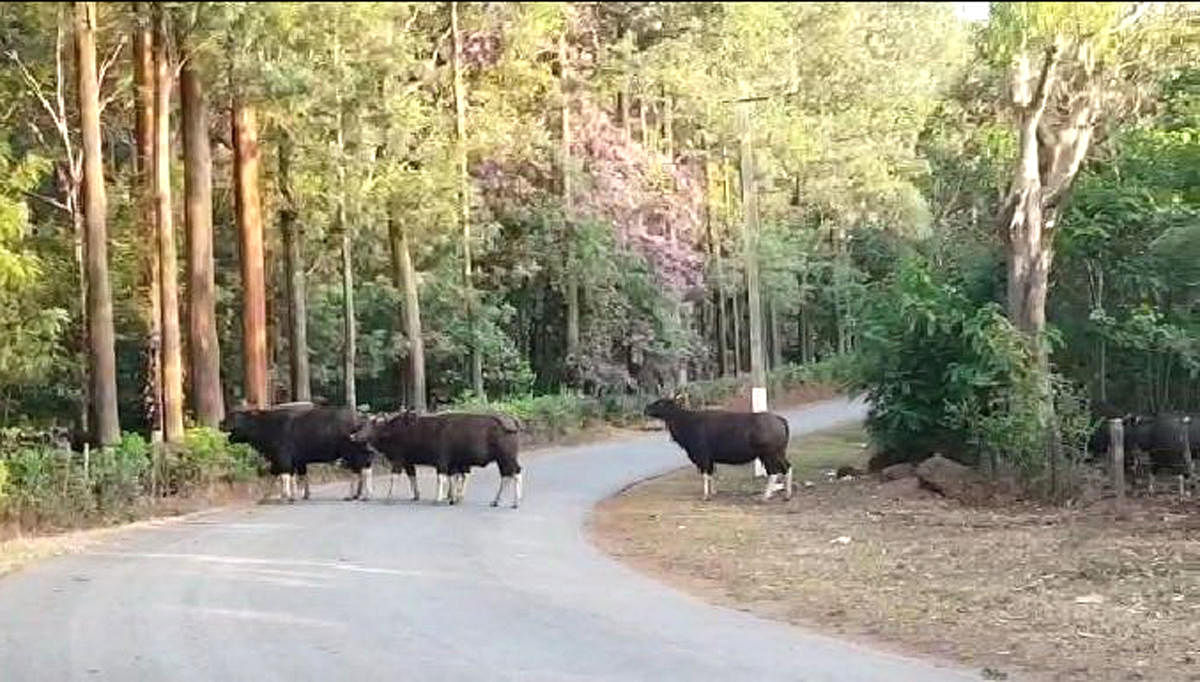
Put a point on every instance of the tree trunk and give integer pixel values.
(572, 292)
(412, 318)
(101, 354)
(758, 378)
(669, 127)
(207, 399)
(299, 375)
(348, 328)
(349, 346)
(776, 336)
(464, 197)
(143, 75)
(172, 356)
(250, 230)
(736, 316)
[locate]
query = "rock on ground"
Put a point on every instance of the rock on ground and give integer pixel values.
(898, 471)
(903, 488)
(952, 479)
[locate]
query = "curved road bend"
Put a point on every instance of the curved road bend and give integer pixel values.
(331, 590)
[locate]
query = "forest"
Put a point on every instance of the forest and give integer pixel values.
(991, 226)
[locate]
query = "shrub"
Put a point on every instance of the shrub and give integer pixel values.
(117, 475)
(946, 371)
(208, 458)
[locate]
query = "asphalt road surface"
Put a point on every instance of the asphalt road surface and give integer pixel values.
(331, 590)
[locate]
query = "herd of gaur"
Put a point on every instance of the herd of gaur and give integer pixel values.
(294, 435)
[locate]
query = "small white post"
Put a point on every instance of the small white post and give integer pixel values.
(758, 403)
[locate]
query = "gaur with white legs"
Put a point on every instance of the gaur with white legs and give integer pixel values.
(712, 437)
(294, 435)
(452, 443)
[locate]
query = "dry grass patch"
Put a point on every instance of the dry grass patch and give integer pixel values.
(1056, 594)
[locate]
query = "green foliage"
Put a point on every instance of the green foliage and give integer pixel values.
(208, 458)
(946, 371)
(46, 486)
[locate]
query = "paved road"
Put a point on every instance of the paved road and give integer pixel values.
(332, 590)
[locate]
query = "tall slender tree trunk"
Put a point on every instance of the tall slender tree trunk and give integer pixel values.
(406, 281)
(572, 293)
(143, 76)
(299, 374)
(758, 378)
(669, 127)
(348, 322)
(464, 197)
(349, 333)
(105, 425)
(207, 399)
(172, 356)
(736, 317)
(776, 335)
(250, 230)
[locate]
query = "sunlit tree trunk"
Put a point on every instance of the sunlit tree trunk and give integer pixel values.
(104, 425)
(406, 281)
(250, 230)
(207, 399)
(298, 366)
(464, 197)
(143, 76)
(172, 356)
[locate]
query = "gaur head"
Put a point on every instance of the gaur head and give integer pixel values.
(369, 428)
(665, 407)
(240, 424)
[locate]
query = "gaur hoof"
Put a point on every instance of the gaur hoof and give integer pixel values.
(495, 503)
(515, 505)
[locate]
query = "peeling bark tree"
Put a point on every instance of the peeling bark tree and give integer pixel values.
(172, 357)
(249, 220)
(207, 400)
(104, 424)
(143, 76)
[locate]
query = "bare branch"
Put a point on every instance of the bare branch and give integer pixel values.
(49, 200)
(33, 86)
(109, 61)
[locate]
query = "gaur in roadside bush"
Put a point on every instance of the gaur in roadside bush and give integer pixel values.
(1159, 436)
(293, 435)
(452, 443)
(721, 437)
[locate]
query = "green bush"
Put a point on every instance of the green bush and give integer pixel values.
(206, 459)
(117, 475)
(945, 371)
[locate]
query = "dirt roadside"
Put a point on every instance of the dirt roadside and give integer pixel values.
(1032, 592)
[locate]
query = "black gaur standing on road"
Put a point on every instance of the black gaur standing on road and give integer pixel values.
(452, 443)
(720, 437)
(294, 435)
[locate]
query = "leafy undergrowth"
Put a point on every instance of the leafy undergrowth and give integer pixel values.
(1047, 593)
